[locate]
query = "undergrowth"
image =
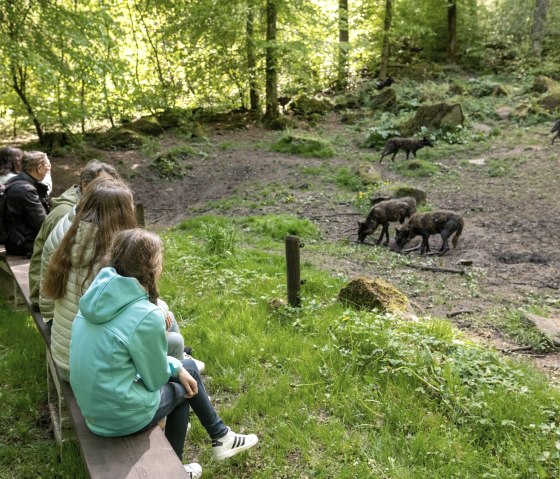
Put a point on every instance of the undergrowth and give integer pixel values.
(338, 392)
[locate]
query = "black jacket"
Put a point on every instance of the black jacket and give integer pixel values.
(27, 205)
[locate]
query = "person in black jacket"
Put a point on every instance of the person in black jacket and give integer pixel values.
(26, 203)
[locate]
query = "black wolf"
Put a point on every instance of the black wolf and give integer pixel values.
(383, 83)
(410, 145)
(555, 128)
(425, 224)
(382, 213)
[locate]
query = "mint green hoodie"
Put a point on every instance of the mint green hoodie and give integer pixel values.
(118, 355)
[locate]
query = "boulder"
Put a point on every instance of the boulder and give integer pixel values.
(386, 100)
(307, 105)
(369, 175)
(364, 293)
(402, 191)
(433, 117)
(550, 103)
(543, 84)
(549, 327)
(500, 90)
(119, 139)
(504, 112)
(399, 192)
(147, 125)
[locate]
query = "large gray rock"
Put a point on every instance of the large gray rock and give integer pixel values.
(433, 117)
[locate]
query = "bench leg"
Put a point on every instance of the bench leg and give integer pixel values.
(62, 426)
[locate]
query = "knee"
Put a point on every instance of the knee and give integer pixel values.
(190, 366)
(175, 345)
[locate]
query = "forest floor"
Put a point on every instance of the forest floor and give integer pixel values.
(507, 191)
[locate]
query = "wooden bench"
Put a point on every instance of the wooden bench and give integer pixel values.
(143, 455)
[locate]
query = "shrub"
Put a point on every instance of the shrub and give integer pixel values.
(279, 226)
(304, 146)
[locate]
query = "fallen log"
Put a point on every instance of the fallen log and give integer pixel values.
(436, 269)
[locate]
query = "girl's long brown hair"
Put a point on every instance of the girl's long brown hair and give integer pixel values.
(108, 205)
(136, 253)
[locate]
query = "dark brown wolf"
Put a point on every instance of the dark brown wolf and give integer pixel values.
(425, 224)
(383, 83)
(410, 145)
(382, 213)
(555, 129)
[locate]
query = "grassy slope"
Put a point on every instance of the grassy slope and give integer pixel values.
(330, 391)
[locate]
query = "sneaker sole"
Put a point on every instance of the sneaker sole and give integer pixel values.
(237, 450)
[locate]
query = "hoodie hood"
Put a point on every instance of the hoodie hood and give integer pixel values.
(69, 197)
(108, 295)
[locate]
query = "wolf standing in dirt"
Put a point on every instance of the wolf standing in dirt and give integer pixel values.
(425, 224)
(409, 145)
(382, 213)
(555, 129)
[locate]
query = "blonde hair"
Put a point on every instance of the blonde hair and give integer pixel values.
(137, 253)
(108, 205)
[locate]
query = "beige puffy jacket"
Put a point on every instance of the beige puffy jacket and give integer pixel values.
(65, 308)
(46, 305)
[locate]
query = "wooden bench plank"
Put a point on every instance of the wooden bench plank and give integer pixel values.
(143, 455)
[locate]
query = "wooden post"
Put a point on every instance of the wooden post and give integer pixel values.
(292, 268)
(139, 209)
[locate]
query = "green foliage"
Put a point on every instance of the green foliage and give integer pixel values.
(220, 240)
(349, 179)
(378, 135)
(501, 167)
(416, 168)
(28, 449)
(305, 146)
(278, 227)
(171, 165)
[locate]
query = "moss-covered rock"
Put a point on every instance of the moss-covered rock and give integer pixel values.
(433, 117)
(307, 105)
(543, 84)
(500, 90)
(364, 293)
(386, 100)
(172, 164)
(551, 103)
(399, 192)
(369, 175)
(119, 139)
(304, 146)
(147, 125)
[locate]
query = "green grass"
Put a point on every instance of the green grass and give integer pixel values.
(415, 168)
(337, 392)
(306, 146)
(331, 392)
(27, 447)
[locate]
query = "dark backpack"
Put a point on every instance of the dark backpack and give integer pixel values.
(3, 229)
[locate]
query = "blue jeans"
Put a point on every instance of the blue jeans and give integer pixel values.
(175, 406)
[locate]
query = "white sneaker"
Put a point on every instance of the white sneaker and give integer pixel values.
(194, 471)
(199, 364)
(231, 444)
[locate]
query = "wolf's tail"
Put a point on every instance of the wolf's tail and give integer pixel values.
(455, 239)
(555, 126)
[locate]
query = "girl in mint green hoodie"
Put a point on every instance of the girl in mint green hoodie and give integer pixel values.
(122, 378)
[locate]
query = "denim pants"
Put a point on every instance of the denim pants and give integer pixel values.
(175, 406)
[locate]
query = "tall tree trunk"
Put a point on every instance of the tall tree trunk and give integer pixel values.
(251, 57)
(343, 46)
(385, 50)
(271, 112)
(539, 19)
(18, 84)
(451, 30)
